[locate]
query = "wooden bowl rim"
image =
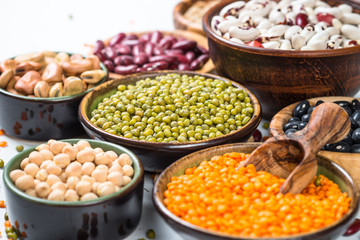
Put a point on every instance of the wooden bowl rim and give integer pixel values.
(214, 10)
(244, 131)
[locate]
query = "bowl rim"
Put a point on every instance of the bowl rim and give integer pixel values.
(214, 10)
(57, 99)
(85, 121)
(123, 192)
(169, 216)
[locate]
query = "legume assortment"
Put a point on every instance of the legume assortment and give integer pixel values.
(174, 108)
(60, 171)
(245, 202)
(289, 25)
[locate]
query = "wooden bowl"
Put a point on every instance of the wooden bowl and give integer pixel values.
(349, 161)
(114, 216)
(192, 232)
(201, 41)
(181, 22)
(156, 156)
(280, 77)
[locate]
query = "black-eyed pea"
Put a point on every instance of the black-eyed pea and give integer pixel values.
(52, 178)
(62, 160)
(45, 163)
(102, 158)
(56, 195)
(82, 144)
(87, 168)
(56, 147)
(87, 154)
(52, 168)
(95, 186)
(128, 170)
(105, 188)
(41, 175)
(42, 189)
(58, 185)
(116, 178)
(25, 182)
(91, 180)
(71, 182)
(98, 150)
(124, 159)
(83, 187)
(36, 157)
(88, 196)
(31, 169)
(126, 180)
(73, 169)
(99, 175)
(15, 174)
(47, 154)
(31, 192)
(71, 151)
(24, 162)
(71, 195)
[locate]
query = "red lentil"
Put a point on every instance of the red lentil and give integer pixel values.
(247, 202)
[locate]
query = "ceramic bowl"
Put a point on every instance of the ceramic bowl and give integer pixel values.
(113, 216)
(281, 77)
(40, 119)
(156, 156)
(192, 232)
(349, 161)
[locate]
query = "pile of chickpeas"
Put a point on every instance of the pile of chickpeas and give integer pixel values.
(59, 171)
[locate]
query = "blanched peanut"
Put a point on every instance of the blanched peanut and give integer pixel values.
(31, 192)
(71, 151)
(41, 175)
(25, 182)
(124, 159)
(99, 175)
(52, 168)
(91, 180)
(126, 180)
(31, 169)
(88, 196)
(58, 185)
(24, 163)
(44, 164)
(87, 168)
(56, 147)
(83, 187)
(116, 178)
(82, 144)
(56, 195)
(42, 147)
(42, 189)
(73, 169)
(71, 182)
(128, 170)
(36, 157)
(62, 160)
(71, 196)
(47, 154)
(15, 174)
(105, 188)
(86, 155)
(102, 158)
(51, 179)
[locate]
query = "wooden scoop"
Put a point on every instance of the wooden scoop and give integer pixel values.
(294, 157)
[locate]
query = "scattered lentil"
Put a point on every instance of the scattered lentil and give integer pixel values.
(19, 148)
(2, 163)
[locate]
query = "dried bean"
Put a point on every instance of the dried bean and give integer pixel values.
(141, 59)
(124, 60)
(116, 39)
(110, 53)
(124, 70)
(185, 45)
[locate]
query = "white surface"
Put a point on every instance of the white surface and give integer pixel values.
(29, 26)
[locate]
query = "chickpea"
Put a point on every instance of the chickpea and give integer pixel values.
(45, 163)
(31, 169)
(52, 178)
(102, 167)
(58, 185)
(56, 195)
(47, 154)
(105, 188)
(95, 186)
(87, 168)
(36, 157)
(91, 180)
(50, 142)
(52, 168)
(41, 175)
(71, 151)
(124, 159)
(102, 158)
(98, 150)
(126, 180)
(25, 182)
(82, 144)
(56, 147)
(73, 169)
(37, 181)
(83, 187)
(88, 196)
(42, 147)
(116, 178)
(62, 160)
(31, 192)
(71, 195)
(117, 188)
(112, 155)
(71, 182)
(24, 162)
(116, 168)
(42, 189)
(128, 170)
(15, 174)
(86, 155)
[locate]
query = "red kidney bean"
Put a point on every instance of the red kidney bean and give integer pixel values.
(353, 228)
(110, 53)
(139, 48)
(131, 37)
(184, 45)
(301, 19)
(145, 37)
(156, 66)
(158, 51)
(166, 58)
(149, 48)
(141, 59)
(101, 56)
(202, 49)
(124, 60)
(122, 49)
(325, 17)
(116, 39)
(109, 65)
(131, 42)
(190, 55)
(183, 67)
(99, 45)
(123, 70)
(166, 42)
(180, 57)
(156, 37)
(141, 69)
(174, 51)
(199, 62)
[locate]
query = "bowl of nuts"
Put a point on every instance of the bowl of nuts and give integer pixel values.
(164, 115)
(346, 153)
(40, 93)
(287, 51)
(209, 195)
(74, 189)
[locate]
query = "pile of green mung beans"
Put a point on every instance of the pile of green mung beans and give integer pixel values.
(174, 108)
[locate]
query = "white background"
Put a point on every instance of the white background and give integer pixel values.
(68, 25)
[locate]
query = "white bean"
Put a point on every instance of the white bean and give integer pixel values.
(31, 169)
(25, 182)
(351, 31)
(295, 29)
(244, 34)
(24, 162)
(317, 44)
(36, 157)
(297, 41)
(271, 44)
(15, 174)
(345, 8)
(31, 192)
(285, 45)
(52, 168)
(45, 163)
(47, 154)
(41, 175)
(351, 18)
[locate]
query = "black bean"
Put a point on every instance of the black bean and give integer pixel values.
(340, 147)
(302, 125)
(343, 103)
(290, 131)
(305, 117)
(354, 123)
(356, 115)
(355, 148)
(319, 102)
(355, 105)
(291, 125)
(301, 108)
(311, 109)
(348, 139)
(356, 135)
(294, 119)
(347, 109)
